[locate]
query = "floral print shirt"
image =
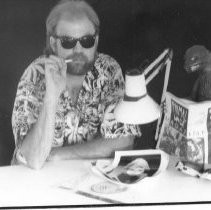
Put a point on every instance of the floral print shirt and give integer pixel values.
(92, 114)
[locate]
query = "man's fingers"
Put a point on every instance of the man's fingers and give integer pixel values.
(52, 66)
(59, 61)
(55, 63)
(52, 72)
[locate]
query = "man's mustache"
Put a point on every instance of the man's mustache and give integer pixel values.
(78, 56)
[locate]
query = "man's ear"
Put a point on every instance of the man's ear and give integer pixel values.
(96, 41)
(53, 43)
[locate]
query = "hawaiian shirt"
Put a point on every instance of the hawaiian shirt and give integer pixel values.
(91, 115)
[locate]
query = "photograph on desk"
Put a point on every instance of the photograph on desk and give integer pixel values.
(129, 167)
(185, 132)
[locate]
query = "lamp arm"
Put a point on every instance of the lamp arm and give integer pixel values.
(155, 73)
(165, 58)
(167, 73)
(156, 61)
(156, 67)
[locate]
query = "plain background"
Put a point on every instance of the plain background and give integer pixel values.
(131, 31)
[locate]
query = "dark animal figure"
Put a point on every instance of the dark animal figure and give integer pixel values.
(198, 59)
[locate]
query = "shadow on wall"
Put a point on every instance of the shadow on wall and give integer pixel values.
(147, 140)
(6, 139)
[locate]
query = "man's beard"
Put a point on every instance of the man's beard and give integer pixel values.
(80, 65)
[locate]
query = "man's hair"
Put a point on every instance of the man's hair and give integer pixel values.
(75, 9)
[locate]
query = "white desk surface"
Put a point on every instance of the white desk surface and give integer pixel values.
(22, 186)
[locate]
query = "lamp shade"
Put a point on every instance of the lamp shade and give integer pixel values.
(137, 107)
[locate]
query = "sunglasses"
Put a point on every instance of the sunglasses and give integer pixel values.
(68, 42)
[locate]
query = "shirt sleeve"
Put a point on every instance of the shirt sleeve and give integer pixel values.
(113, 92)
(28, 100)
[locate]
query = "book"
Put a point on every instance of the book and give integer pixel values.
(186, 131)
(129, 167)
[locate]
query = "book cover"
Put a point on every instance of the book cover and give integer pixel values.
(186, 130)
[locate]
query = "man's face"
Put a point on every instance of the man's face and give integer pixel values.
(83, 58)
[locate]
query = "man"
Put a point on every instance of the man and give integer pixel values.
(65, 110)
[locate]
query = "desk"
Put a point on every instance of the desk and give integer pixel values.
(22, 186)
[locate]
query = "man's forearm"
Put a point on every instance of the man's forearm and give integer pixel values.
(37, 144)
(98, 148)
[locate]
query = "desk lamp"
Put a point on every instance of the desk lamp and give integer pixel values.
(137, 107)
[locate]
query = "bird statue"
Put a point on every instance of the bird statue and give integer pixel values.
(198, 59)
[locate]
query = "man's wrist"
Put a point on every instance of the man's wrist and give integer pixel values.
(50, 101)
(53, 156)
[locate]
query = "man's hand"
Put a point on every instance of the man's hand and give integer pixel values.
(38, 141)
(55, 73)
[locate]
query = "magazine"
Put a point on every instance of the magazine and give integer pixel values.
(186, 130)
(129, 167)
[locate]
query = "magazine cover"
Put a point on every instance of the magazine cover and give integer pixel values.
(129, 167)
(186, 130)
